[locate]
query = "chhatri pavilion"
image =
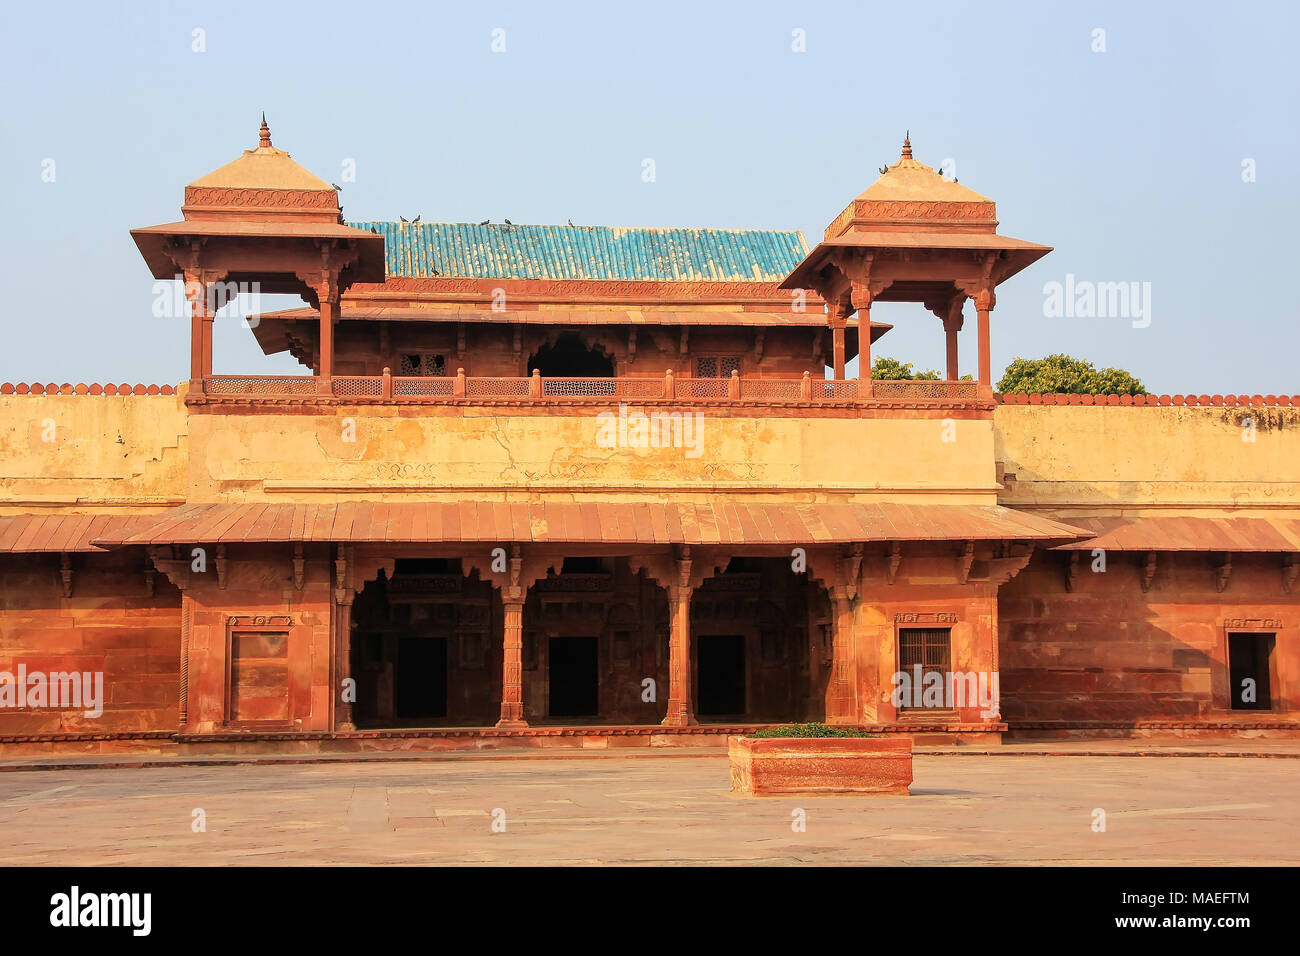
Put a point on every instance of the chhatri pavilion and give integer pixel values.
(586, 484)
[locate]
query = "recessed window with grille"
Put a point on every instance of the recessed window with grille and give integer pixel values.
(422, 365)
(930, 648)
(472, 650)
(716, 366)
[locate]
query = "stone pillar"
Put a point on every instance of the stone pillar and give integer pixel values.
(842, 705)
(862, 296)
(841, 699)
(837, 323)
(512, 688)
(201, 318)
(514, 591)
(952, 323)
(984, 303)
(343, 596)
(329, 310)
(681, 705)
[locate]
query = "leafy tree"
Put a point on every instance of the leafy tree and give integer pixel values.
(1064, 374)
(892, 370)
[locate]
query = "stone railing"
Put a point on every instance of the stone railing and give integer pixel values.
(388, 388)
(753, 390)
(1229, 401)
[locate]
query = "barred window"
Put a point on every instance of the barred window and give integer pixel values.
(928, 647)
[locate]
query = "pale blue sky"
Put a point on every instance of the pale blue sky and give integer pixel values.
(1128, 162)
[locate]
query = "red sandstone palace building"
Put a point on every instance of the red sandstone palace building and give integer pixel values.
(560, 484)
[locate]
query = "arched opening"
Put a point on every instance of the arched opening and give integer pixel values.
(761, 639)
(569, 357)
(595, 645)
(426, 647)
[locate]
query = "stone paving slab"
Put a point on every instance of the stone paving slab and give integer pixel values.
(659, 809)
(1136, 747)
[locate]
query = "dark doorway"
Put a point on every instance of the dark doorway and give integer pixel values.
(1249, 659)
(421, 677)
(569, 357)
(721, 668)
(574, 683)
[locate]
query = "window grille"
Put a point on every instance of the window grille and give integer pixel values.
(929, 647)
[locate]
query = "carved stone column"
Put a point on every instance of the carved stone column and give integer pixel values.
(952, 323)
(837, 318)
(862, 297)
(512, 686)
(343, 596)
(839, 689)
(326, 289)
(199, 291)
(984, 302)
(681, 705)
(840, 579)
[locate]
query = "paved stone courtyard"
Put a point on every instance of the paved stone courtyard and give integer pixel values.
(673, 809)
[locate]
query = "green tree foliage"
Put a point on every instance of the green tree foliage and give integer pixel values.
(892, 370)
(1065, 375)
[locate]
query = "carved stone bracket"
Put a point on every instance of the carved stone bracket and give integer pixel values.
(1012, 560)
(1071, 569)
(65, 572)
(1148, 571)
(665, 567)
(1290, 569)
(353, 572)
(178, 570)
(1223, 573)
(851, 569)
(521, 571)
(221, 566)
(299, 566)
(342, 587)
(965, 561)
(894, 562)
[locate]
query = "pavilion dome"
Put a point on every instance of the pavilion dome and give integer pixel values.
(911, 196)
(263, 183)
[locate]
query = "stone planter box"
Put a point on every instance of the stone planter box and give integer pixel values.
(780, 765)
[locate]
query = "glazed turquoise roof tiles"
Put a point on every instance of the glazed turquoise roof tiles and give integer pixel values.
(500, 251)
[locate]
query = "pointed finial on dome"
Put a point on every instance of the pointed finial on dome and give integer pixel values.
(265, 133)
(907, 145)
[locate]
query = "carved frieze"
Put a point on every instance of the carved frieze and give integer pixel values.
(926, 617)
(261, 198)
(1253, 623)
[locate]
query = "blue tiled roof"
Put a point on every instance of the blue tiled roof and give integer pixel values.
(498, 251)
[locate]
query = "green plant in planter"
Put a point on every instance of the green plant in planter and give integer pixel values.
(811, 730)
